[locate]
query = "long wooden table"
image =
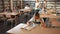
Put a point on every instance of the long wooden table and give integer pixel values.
(37, 30)
(49, 16)
(9, 13)
(25, 10)
(50, 19)
(18, 30)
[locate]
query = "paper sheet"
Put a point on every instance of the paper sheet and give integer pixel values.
(26, 27)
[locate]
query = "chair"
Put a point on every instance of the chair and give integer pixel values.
(9, 18)
(2, 18)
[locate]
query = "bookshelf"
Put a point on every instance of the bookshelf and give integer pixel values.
(6, 3)
(10, 4)
(18, 3)
(1, 5)
(21, 4)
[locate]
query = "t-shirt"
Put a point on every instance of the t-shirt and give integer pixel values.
(33, 19)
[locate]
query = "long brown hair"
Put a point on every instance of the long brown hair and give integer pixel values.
(37, 15)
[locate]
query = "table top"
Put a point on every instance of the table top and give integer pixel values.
(49, 16)
(43, 15)
(9, 13)
(18, 30)
(37, 30)
(25, 10)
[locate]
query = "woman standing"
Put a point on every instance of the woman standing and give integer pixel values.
(37, 6)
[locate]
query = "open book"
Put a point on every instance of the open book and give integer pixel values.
(25, 26)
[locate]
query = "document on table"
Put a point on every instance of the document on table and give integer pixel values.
(26, 27)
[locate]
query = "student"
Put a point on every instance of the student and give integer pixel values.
(27, 7)
(45, 3)
(15, 9)
(7, 9)
(36, 19)
(44, 6)
(37, 6)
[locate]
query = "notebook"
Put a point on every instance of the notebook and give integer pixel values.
(26, 27)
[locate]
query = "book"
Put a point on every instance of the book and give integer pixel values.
(30, 27)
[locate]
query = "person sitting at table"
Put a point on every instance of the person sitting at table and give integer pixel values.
(36, 19)
(27, 7)
(14, 9)
(7, 9)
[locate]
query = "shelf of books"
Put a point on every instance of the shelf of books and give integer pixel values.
(1, 5)
(6, 3)
(18, 3)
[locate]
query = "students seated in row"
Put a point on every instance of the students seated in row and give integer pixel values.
(36, 19)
